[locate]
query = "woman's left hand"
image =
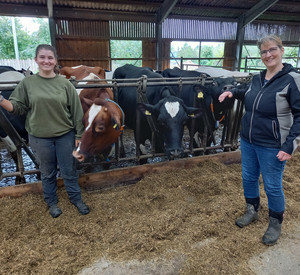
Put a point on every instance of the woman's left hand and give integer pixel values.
(282, 156)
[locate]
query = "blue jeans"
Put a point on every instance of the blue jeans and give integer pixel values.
(51, 152)
(255, 160)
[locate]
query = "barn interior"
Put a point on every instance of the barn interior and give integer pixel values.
(81, 30)
(140, 229)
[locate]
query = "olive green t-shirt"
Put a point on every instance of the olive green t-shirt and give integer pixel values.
(52, 106)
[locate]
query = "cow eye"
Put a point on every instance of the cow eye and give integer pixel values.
(160, 121)
(234, 83)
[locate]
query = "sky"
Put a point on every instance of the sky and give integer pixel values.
(29, 24)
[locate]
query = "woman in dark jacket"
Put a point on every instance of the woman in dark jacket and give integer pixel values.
(270, 133)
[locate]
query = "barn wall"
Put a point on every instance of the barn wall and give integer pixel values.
(149, 53)
(166, 49)
(229, 55)
(82, 42)
(90, 52)
(289, 33)
(87, 41)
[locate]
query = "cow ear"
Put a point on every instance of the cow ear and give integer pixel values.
(200, 91)
(86, 101)
(193, 112)
(146, 109)
(116, 125)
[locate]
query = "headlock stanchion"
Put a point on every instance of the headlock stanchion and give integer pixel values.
(19, 143)
(231, 126)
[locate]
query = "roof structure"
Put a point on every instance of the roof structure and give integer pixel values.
(160, 20)
(285, 11)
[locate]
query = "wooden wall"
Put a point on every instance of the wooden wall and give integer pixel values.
(149, 54)
(90, 52)
(229, 55)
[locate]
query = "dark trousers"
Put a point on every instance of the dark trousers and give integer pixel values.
(51, 153)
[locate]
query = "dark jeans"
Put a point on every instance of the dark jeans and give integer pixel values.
(51, 152)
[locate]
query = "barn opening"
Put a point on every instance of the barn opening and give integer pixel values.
(190, 54)
(125, 52)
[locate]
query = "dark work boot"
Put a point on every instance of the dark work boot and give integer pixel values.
(54, 211)
(250, 216)
(273, 232)
(82, 208)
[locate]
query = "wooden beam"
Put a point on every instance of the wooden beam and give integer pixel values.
(256, 11)
(123, 176)
(50, 8)
(165, 10)
(245, 19)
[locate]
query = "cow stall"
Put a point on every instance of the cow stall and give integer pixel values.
(228, 140)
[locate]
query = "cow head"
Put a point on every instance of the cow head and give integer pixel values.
(171, 115)
(210, 93)
(103, 123)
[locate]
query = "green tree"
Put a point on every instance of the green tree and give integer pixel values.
(41, 36)
(126, 49)
(188, 52)
(26, 42)
(6, 38)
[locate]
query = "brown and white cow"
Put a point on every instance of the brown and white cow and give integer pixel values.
(103, 118)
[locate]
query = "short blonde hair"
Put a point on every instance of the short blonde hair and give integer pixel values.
(270, 38)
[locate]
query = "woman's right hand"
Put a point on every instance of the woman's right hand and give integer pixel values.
(224, 95)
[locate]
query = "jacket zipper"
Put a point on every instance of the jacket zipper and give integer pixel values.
(254, 107)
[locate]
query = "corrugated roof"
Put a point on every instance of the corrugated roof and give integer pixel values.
(147, 10)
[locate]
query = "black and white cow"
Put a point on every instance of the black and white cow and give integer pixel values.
(206, 96)
(18, 122)
(167, 110)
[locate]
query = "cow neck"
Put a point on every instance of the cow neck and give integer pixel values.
(123, 115)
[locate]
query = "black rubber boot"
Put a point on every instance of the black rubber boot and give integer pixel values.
(250, 216)
(55, 211)
(82, 208)
(273, 232)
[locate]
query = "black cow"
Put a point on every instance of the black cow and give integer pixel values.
(206, 96)
(18, 122)
(168, 111)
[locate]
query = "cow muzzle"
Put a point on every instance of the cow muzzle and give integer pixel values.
(79, 156)
(228, 87)
(175, 154)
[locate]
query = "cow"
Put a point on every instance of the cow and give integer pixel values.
(169, 113)
(103, 118)
(206, 96)
(8, 74)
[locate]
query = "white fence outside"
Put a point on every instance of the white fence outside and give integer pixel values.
(20, 64)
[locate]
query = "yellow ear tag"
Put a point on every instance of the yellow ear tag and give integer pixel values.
(200, 95)
(115, 126)
(147, 113)
(191, 115)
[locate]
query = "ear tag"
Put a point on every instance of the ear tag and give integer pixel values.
(200, 95)
(115, 126)
(191, 115)
(147, 113)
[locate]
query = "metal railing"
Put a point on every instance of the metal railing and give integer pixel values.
(229, 132)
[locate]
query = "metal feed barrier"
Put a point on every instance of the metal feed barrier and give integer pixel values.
(229, 140)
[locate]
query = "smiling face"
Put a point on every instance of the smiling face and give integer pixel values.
(271, 54)
(46, 61)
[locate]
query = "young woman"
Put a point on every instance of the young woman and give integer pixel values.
(269, 135)
(54, 124)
